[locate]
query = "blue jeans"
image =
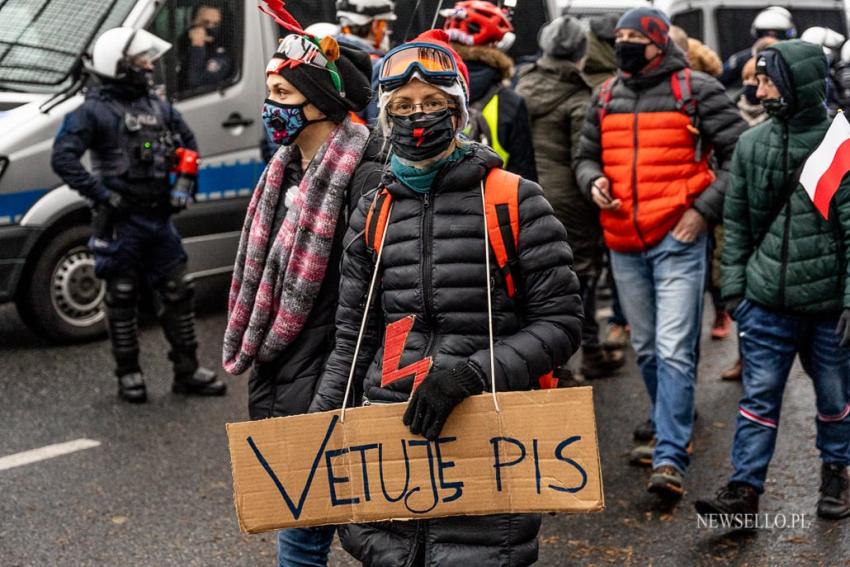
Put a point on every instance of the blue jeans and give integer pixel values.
(304, 547)
(769, 343)
(661, 291)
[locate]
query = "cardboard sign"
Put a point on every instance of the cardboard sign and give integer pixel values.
(539, 454)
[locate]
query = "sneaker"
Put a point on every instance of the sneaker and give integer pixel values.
(617, 337)
(645, 431)
(599, 363)
(641, 456)
(131, 388)
(734, 373)
(734, 498)
(666, 482)
(722, 326)
(834, 502)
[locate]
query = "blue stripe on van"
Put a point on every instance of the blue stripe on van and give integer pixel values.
(214, 183)
(13, 206)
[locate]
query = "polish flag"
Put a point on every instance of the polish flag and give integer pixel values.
(825, 168)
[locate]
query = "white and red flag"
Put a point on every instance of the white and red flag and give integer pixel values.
(825, 168)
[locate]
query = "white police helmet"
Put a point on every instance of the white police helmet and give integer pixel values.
(362, 12)
(122, 44)
(322, 29)
(829, 40)
(774, 18)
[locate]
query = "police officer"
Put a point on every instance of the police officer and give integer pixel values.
(132, 136)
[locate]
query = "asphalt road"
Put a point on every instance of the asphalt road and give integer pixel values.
(156, 491)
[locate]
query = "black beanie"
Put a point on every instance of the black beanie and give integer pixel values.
(317, 86)
(651, 22)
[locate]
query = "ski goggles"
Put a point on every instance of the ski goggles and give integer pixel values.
(433, 62)
(297, 49)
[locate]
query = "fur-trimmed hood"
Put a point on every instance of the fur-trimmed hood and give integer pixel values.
(489, 56)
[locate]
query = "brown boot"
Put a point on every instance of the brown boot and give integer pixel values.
(600, 363)
(734, 373)
(617, 337)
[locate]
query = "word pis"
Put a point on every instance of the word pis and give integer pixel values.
(441, 488)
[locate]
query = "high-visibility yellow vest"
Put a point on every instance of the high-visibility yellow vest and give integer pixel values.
(488, 126)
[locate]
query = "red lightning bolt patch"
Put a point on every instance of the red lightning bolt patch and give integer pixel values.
(394, 340)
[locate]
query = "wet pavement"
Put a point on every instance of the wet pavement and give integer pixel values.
(156, 491)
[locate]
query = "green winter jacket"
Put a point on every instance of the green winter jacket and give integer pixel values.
(796, 263)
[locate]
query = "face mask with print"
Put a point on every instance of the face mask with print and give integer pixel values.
(284, 121)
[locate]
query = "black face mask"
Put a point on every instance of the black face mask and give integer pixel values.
(631, 57)
(422, 136)
(750, 94)
(776, 107)
(138, 79)
(214, 32)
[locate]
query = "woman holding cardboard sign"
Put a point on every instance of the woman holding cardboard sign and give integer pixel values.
(426, 227)
(285, 283)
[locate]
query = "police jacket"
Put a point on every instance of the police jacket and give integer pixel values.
(285, 385)
(661, 160)
(433, 267)
(116, 123)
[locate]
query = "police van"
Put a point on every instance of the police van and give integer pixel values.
(45, 267)
(724, 25)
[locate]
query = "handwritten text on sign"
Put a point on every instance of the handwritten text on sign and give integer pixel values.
(538, 454)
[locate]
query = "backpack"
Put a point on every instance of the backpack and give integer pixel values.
(680, 84)
(501, 198)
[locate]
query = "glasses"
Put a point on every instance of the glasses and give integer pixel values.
(434, 62)
(430, 105)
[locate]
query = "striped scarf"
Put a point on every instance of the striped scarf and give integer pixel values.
(276, 278)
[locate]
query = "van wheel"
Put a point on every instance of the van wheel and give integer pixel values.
(64, 300)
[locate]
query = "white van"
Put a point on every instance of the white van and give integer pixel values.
(724, 25)
(45, 267)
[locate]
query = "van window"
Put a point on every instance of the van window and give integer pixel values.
(37, 52)
(691, 22)
(733, 25)
(207, 41)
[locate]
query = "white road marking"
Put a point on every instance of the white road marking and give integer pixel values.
(44, 453)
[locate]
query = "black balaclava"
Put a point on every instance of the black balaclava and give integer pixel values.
(771, 64)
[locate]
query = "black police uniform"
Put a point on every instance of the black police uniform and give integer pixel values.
(132, 135)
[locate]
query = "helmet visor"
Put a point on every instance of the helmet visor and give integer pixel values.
(433, 62)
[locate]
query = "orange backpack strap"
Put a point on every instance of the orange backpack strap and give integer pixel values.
(501, 196)
(376, 219)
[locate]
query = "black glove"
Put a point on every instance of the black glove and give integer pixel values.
(430, 405)
(732, 304)
(843, 328)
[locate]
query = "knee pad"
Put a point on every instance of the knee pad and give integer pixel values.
(122, 295)
(177, 287)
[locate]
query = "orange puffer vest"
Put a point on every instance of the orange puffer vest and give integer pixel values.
(656, 169)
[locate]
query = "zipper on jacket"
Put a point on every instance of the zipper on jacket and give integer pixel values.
(426, 263)
(418, 540)
(634, 177)
(783, 256)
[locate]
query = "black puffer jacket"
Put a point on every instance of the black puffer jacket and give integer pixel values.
(285, 385)
(433, 267)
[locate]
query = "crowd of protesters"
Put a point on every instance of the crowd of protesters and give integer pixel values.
(625, 163)
(651, 173)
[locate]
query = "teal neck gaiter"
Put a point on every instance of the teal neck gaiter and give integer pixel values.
(421, 179)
